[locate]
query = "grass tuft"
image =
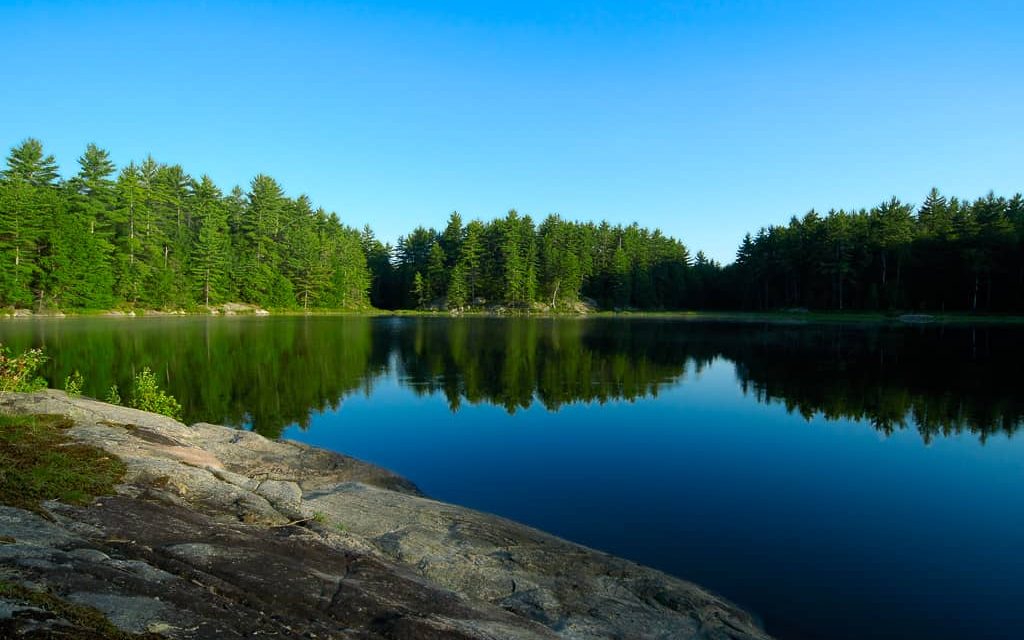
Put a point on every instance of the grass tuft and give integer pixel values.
(39, 462)
(88, 622)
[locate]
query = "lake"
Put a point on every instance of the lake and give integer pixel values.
(839, 482)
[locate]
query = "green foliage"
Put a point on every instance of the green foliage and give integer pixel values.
(88, 623)
(18, 372)
(37, 462)
(73, 384)
(113, 395)
(436, 280)
(951, 255)
(458, 289)
(151, 236)
(148, 396)
(27, 163)
(420, 290)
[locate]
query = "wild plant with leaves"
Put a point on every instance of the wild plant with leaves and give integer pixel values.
(148, 396)
(19, 372)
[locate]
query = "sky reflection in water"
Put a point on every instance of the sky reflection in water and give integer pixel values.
(840, 482)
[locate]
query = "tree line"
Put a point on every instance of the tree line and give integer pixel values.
(946, 254)
(152, 236)
(515, 263)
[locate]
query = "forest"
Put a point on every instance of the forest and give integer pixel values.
(151, 236)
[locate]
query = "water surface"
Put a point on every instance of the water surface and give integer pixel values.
(839, 482)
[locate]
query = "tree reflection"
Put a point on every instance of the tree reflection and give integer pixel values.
(270, 373)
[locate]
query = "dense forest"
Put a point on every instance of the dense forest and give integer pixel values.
(151, 236)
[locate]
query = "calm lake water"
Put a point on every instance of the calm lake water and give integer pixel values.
(840, 482)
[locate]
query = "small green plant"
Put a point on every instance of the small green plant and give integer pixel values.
(113, 395)
(91, 622)
(148, 396)
(18, 372)
(39, 462)
(73, 384)
(320, 517)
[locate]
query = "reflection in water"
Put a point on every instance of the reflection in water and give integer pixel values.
(273, 372)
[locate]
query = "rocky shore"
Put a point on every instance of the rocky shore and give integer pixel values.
(221, 533)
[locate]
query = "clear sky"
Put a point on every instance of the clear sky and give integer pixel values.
(706, 119)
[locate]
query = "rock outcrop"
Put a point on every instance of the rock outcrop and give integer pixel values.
(220, 533)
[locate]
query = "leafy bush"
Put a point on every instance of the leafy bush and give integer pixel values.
(148, 396)
(73, 384)
(113, 396)
(18, 373)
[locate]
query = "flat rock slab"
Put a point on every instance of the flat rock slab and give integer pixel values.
(220, 533)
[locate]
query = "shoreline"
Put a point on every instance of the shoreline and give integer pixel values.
(284, 538)
(800, 317)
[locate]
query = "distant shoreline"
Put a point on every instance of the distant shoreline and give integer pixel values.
(771, 317)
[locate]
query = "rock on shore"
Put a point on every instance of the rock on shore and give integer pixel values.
(221, 533)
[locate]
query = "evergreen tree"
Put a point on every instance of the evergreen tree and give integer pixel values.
(451, 239)
(260, 222)
(29, 164)
(420, 291)
(470, 257)
(131, 268)
(437, 277)
(621, 281)
(458, 289)
(210, 257)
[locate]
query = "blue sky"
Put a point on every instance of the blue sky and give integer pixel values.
(706, 119)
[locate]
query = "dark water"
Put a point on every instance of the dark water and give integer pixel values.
(839, 482)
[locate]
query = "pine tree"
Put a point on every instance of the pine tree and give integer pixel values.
(458, 290)
(94, 205)
(131, 268)
(451, 239)
(470, 257)
(350, 283)
(420, 291)
(259, 224)
(210, 257)
(382, 272)
(28, 163)
(437, 278)
(27, 205)
(621, 281)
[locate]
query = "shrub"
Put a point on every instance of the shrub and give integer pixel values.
(73, 384)
(148, 396)
(113, 395)
(18, 373)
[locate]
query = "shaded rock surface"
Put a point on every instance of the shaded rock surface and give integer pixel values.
(220, 533)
